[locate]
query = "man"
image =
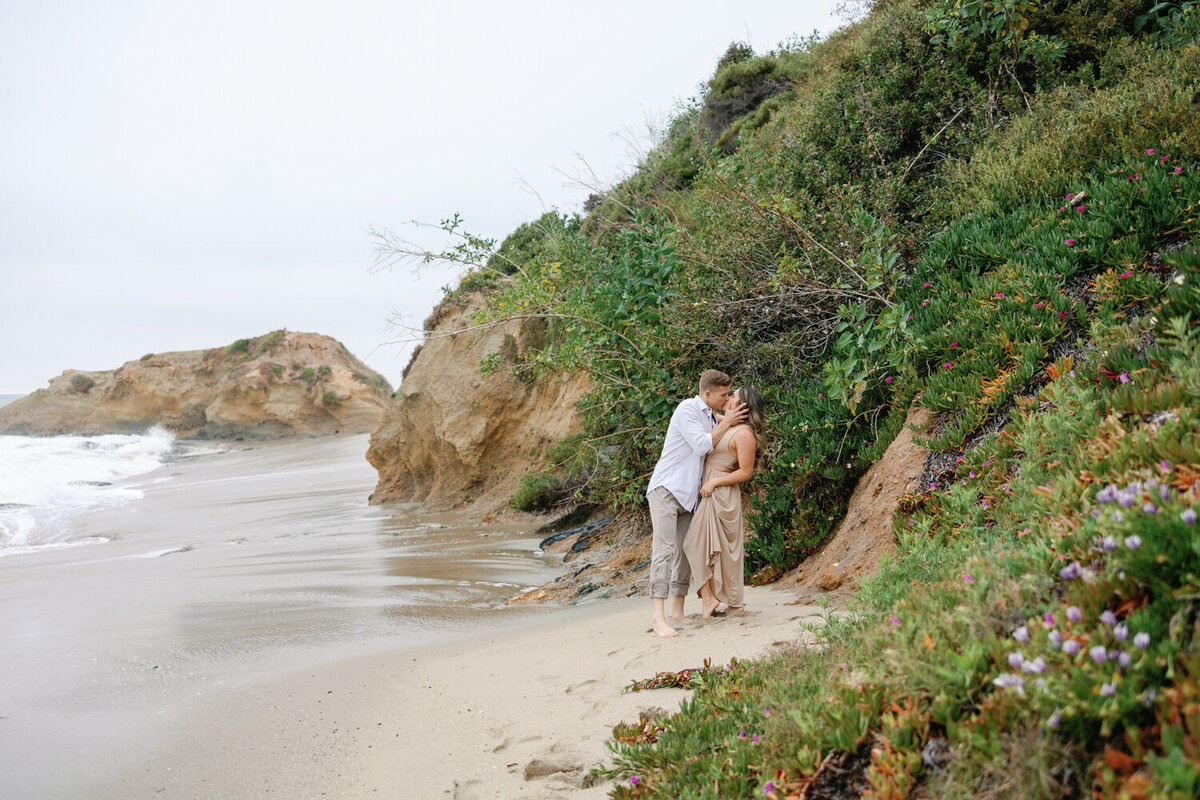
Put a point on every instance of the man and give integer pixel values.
(674, 490)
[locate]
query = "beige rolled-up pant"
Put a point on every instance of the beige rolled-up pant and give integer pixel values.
(669, 567)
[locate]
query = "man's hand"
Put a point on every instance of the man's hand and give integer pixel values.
(736, 413)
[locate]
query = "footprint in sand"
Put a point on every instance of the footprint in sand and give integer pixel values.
(510, 741)
(577, 686)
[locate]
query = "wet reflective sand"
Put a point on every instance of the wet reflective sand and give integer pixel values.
(235, 565)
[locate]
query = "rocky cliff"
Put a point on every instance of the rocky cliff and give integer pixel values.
(456, 436)
(274, 386)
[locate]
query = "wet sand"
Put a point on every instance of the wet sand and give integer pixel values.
(522, 710)
(235, 567)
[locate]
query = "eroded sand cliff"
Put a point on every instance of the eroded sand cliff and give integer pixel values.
(273, 386)
(457, 437)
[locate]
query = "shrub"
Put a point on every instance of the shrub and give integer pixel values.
(81, 384)
(538, 491)
(329, 398)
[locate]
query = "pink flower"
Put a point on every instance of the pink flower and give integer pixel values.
(954, 344)
(635, 781)
(1177, 170)
(1081, 209)
(1123, 377)
(926, 285)
(888, 379)
(1071, 196)
(1150, 151)
(1126, 274)
(999, 295)
(966, 578)
(948, 365)
(1070, 242)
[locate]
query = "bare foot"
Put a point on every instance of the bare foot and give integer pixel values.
(710, 606)
(735, 609)
(679, 618)
(663, 629)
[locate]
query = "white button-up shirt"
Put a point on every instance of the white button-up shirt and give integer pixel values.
(689, 440)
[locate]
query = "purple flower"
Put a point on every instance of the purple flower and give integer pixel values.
(966, 578)
(754, 738)
(1149, 508)
(1123, 377)
(1021, 634)
(1133, 542)
(1107, 494)
(1015, 660)
(769, 788)
(1108, 690)
(1048, 620)
(766, 711)
(1124, 659)
(1164, 465)
(1056, 640)
(1009, 680)
(635, 781)
(1188, 515)
(1098, 654)
(1108, 618)
(1055, 718)
(1141, 640)
(1121, 632)
(1108, 544)
(1071, 647)
(1070, 572)
(1164, 493)
(1178, 170)
(1074, 614)
(1150, 151)
(1117, 516)
(741, 734)
(1149, 697)
(894, 620)
(1126, 498)
(1037, 666)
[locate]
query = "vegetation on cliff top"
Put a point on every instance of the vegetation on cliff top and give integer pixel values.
(988, 208)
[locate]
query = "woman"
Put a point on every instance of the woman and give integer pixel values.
(714, 539)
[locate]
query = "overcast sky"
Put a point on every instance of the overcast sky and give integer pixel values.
(179, 175)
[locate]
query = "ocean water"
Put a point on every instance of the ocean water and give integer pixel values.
(140, 577)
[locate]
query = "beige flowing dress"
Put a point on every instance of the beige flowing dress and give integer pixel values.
(713, 545)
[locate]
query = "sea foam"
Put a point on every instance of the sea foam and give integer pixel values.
(45, 482)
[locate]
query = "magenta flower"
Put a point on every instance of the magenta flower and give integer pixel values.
(766, 711)
(769, 788)
(1070, 242)
(1048, 620)
(1126, 274)
(1081, 209)
(635, 781)
(1123, 377)
(926, 285)
(948, 365)
(999, 295)
(966, 578)
(888, 379)
(1070, 196)
(1150, 151)
(953, 345)
(1177, 170)
(754, 738)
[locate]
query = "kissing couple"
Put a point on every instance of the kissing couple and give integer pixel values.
(695, 499)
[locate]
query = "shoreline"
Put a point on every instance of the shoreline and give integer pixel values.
(522, 708)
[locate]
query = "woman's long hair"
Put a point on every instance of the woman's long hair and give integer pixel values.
(754, 411)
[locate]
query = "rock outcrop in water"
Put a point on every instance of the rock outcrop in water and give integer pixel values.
(274, 386)
(456, 436)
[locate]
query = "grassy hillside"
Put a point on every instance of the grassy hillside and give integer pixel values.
(988, 208)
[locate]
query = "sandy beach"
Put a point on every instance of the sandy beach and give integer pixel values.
(522, 709)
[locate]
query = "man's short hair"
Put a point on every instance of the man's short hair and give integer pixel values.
(713, 379)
